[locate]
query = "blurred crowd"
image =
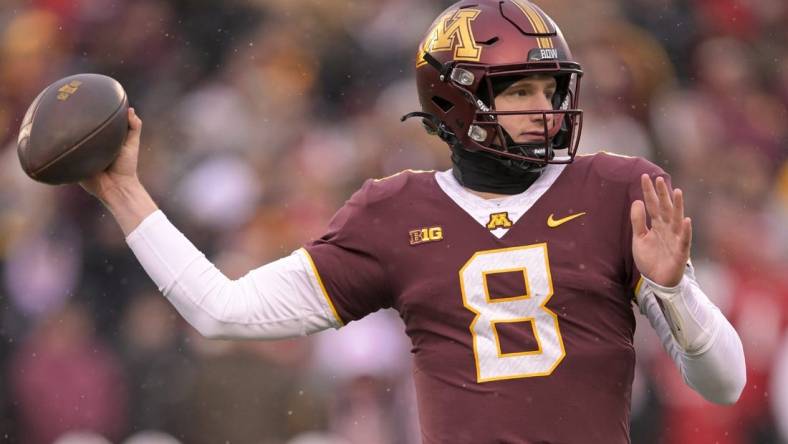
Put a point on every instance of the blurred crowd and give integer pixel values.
(261, 117)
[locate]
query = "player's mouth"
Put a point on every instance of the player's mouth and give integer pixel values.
(529, 136)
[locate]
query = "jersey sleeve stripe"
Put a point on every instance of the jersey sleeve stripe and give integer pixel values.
(322, 287)
(637, 288)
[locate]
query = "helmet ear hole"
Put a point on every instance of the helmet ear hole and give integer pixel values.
(442, 103)
(490, 42)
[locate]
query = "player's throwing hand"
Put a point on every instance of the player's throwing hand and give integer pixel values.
(123, 170)
(119, 187)
(662, 251)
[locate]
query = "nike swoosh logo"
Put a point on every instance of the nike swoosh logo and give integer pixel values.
(552, 223)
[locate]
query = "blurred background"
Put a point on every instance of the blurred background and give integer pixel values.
(262, 117)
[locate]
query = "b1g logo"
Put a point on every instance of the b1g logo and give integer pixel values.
(423, 235)
(452, 31)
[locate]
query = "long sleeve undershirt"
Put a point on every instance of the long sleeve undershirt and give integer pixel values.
(696, 335)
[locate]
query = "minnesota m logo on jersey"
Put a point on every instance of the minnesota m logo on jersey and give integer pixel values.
(499, 220)
(452, 31)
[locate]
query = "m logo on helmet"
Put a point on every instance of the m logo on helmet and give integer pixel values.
(452, 31)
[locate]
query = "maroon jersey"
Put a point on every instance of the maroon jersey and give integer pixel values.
(526, 338)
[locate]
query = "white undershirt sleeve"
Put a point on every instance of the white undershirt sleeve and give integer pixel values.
(278, 300)
(697, 336)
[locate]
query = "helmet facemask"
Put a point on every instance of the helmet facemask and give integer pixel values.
(487, 134)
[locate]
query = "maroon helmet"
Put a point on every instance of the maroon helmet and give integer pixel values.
(472, 49)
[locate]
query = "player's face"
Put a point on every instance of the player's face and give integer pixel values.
(528, 94)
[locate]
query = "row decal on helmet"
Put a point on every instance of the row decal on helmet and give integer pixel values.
(537, 22)
(452, 31)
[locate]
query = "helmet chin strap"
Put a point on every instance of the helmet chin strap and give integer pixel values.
(534, 149)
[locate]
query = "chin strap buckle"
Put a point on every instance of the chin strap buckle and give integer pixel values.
(444, 70)
(448, 72)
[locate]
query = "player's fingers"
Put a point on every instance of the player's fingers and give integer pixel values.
(637, 214)
(686, 235)
(665, 204)
(649, 195)
(135, 122)
(135, 129)
(678, 209)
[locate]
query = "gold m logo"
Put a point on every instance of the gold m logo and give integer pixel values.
(65, 91)
(452, 31)
(499, 220)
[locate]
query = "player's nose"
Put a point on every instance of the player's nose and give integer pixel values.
(541, 116)
(541, 102)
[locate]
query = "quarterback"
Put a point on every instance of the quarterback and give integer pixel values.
(516, 272)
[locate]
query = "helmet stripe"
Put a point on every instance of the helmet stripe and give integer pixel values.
(537, 23)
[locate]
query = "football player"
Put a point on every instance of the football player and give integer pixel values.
(515, 272)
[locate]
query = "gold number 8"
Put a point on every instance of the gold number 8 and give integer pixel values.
(491, 363)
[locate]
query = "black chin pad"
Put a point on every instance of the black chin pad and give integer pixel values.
(486, 172)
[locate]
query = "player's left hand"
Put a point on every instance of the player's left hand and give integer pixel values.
(662, 251)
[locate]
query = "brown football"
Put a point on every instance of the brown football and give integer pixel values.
(73, 129)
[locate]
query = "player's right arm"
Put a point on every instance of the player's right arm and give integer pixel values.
(280, 299)
(285, 298)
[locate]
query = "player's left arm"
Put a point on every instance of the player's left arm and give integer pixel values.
(701, 341)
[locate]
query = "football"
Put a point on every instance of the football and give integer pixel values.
(73, 129)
